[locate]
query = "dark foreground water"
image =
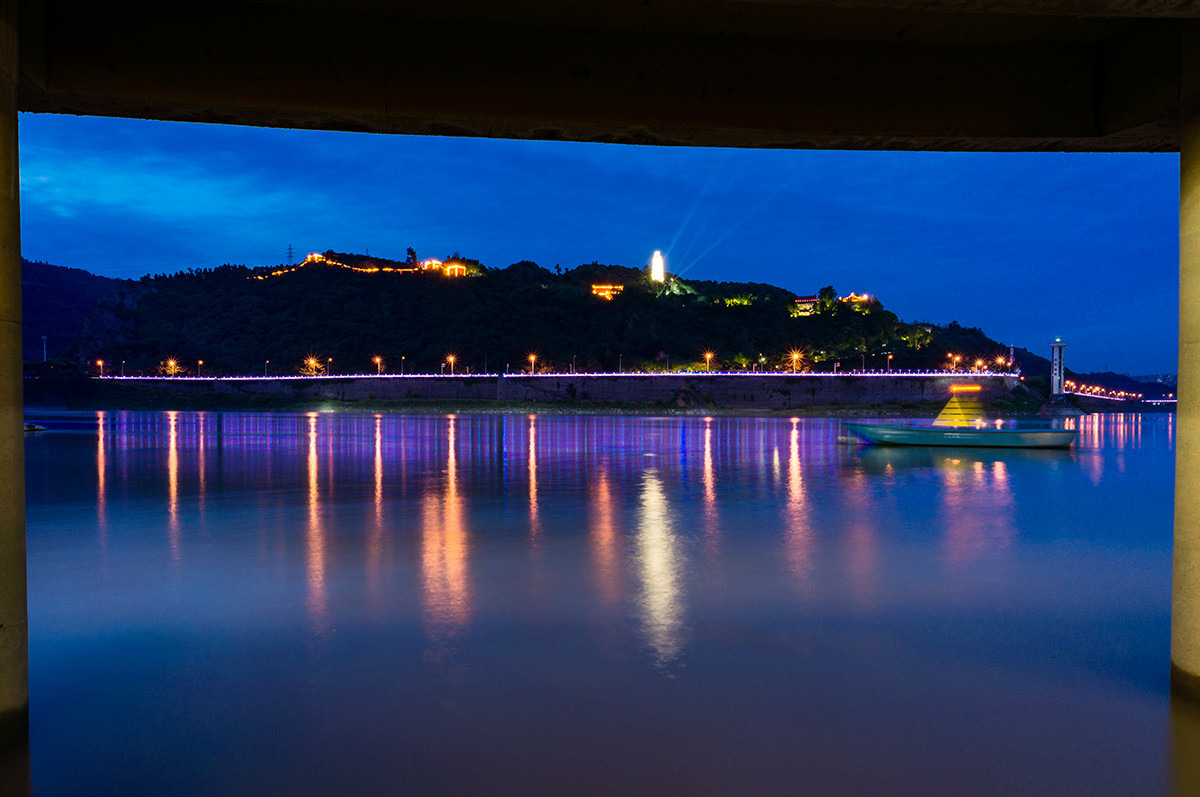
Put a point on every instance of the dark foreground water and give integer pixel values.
(325, 604)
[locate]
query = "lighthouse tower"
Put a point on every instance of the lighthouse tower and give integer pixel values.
(1056, 367)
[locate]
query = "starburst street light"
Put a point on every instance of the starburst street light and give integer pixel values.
(378, 364)
(795, 354)
(100, 365)
(708, 355)
(450, 359)
(532, 362)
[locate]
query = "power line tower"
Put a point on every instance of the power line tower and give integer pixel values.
(291, 254)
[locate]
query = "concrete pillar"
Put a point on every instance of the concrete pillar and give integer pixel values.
(1185, 588)
(14, 634)
(1185, 742)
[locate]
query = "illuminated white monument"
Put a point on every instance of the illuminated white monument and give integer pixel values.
(1056, 367)
(658, 271)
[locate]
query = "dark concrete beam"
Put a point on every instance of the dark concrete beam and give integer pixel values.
(264, 64)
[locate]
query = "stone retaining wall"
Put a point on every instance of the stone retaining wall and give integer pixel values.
(732, 391)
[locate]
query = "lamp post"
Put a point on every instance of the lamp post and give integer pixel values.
(450, 360)
(401, 365)
(378, 365)
(329, 368)
(620, 366)
(268, 362)
(532, 360)
(835, 367)
(100, 363)
(707, 360)
(889, 363)
(795, 358)
(199, 365)
(572, 363)
(122, 368)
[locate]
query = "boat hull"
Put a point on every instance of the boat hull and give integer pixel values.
(889, 435)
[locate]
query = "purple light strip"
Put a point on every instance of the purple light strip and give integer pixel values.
(560, 375)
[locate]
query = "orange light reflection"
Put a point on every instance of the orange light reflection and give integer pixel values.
(173, 483)
(445, 546)
(316, 601)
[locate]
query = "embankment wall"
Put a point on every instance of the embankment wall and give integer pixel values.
(731, 391)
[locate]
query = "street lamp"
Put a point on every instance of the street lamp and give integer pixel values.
(378, 364)
(620, 365)
(100, 363)
(268, 362)
(889, 363)
(708, 355)
(122, 368)
(450, 360)
(532, 360)
(329, 369)
(401, 365)
(836, 366)
(199, 365)
(795, 359)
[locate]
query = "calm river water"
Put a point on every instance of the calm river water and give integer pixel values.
(229, 603)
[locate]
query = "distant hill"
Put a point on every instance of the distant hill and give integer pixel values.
(55, 302)
(235, 319)
(345, 309)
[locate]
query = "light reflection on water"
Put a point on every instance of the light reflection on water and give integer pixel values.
(709, 604)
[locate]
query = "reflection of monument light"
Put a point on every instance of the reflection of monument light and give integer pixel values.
(661, 560)
(658, 271)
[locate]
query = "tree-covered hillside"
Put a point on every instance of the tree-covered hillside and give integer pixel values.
(55, 301)
(236, 319)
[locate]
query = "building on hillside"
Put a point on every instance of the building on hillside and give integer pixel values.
(455, 270)
(859, 301)
(805, 305)
(607, 291)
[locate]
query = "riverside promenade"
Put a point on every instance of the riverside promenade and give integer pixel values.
(727, 390)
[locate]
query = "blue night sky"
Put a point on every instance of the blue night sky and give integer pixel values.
(1024, 246)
